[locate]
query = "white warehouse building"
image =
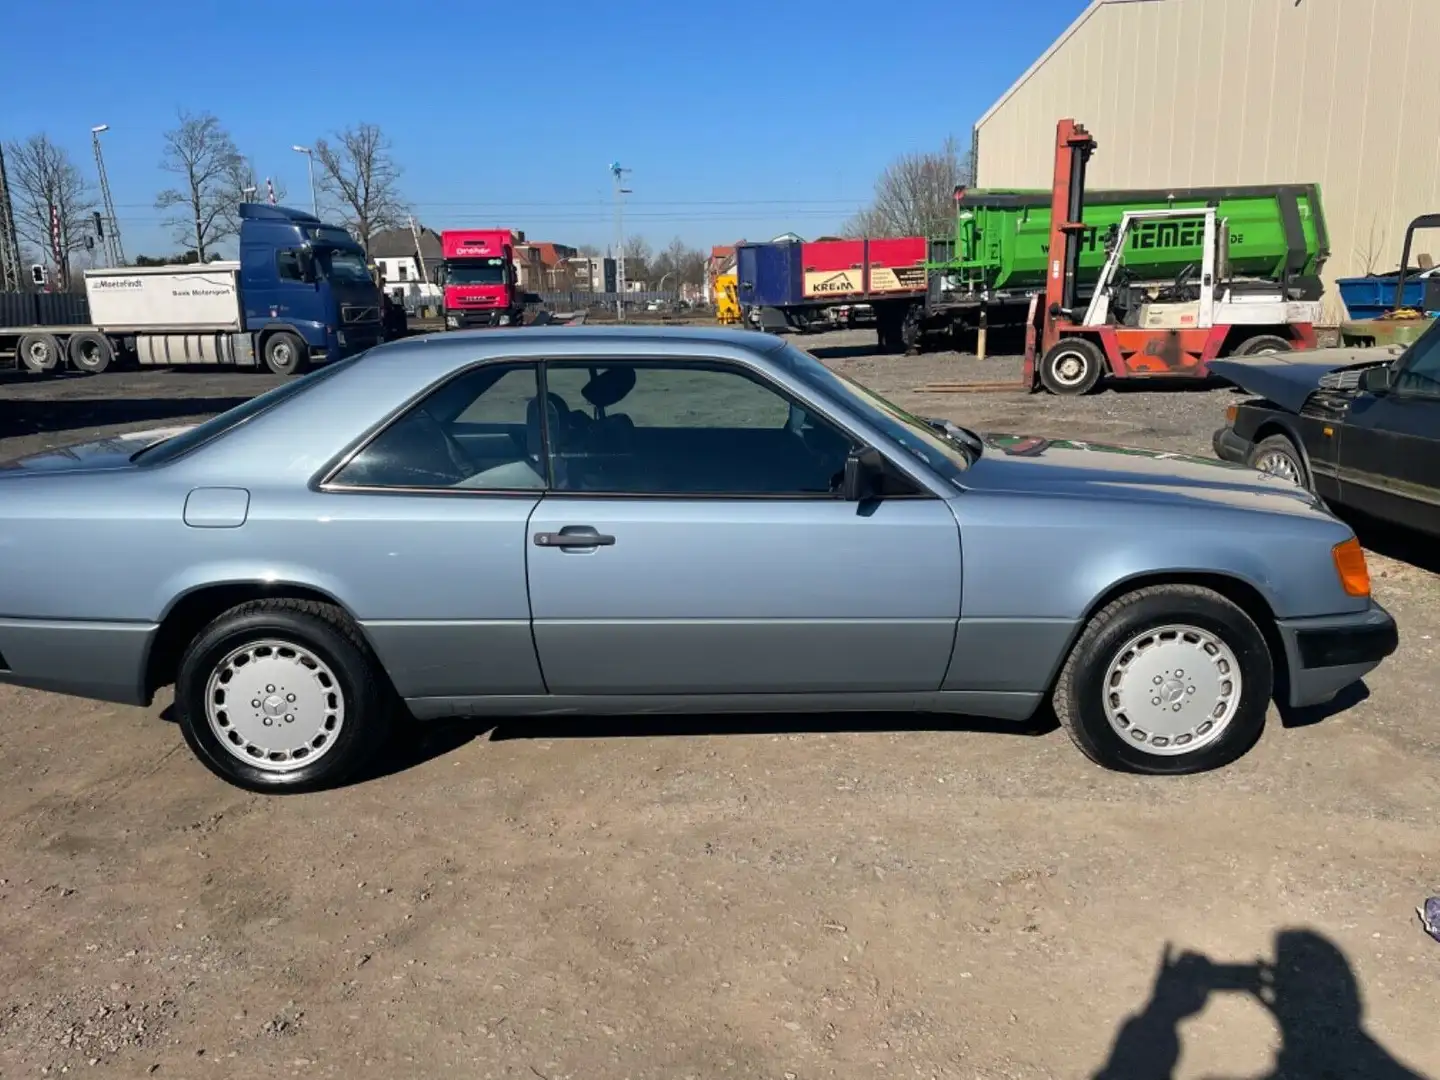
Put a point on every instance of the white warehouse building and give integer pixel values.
(1202, 93)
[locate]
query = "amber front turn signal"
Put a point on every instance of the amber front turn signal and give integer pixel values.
(1349, 559)
(1231, 412)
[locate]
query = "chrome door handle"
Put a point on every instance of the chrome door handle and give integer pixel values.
(574, 536)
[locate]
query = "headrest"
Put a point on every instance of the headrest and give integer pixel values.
(609, 387)
(554, 405)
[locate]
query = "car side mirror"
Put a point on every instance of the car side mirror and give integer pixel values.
(307, 266)
(864, 474)
(1377, 380)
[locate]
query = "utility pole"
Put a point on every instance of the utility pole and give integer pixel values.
(114, 253)
(618, 175)
(9, 241)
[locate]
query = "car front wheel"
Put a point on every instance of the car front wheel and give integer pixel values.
(1277, 455)
(1168, 679)
(282, 695)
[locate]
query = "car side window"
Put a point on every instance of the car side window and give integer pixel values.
(686, 428)
(1420, 372)
(480, 431)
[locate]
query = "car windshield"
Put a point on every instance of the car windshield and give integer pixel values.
(346, 267)
(489, 271)
(949, 456)
(179, 445)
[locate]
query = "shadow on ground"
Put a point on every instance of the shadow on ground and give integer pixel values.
(1309, 989)
(20, 417)
(435, 738)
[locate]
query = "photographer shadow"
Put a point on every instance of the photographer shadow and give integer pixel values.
(1310, 990)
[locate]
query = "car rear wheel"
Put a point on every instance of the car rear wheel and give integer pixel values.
(282, 695)
(1169, 679)
(1278, 456)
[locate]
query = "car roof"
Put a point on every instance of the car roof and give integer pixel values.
(694, 340)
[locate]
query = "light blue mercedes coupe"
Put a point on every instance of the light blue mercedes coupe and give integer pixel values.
(593, 521)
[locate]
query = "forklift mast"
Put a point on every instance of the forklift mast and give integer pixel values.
(1073, 147)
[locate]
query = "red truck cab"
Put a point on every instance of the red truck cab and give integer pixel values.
(478, 275)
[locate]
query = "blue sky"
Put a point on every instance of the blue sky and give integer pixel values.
(740, 119)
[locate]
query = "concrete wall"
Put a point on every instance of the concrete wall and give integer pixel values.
(1209, 92)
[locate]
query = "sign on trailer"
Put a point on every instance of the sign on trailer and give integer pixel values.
(165, 297)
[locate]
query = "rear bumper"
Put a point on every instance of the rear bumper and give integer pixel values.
(1327, 654)
(1231, 447)
(105, 661)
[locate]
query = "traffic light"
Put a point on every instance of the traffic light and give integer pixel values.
(99, 224)
(37, 273)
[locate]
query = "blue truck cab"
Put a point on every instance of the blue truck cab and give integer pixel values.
(306, 287)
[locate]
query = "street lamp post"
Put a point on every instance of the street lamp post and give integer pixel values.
(314, 201)
(114, 253)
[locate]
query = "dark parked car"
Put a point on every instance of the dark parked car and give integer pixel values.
(1359, 427)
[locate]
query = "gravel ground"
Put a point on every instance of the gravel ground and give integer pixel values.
(788, 897)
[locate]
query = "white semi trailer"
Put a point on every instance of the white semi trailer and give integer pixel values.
(160, 315)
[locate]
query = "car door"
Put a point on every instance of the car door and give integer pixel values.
(1390, 443)
(694, 542)
(430, 514)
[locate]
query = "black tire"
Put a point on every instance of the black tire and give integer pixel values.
(911, 330)
(325, 633)
(1080, 692)
(91, 353)
(285, 353)
(1264, 343)
(40, 353)
(1072, 367)
(1281, 453)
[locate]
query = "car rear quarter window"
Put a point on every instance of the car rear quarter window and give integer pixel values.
(479, 432)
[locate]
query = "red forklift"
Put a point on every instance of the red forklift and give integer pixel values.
(1173, 331)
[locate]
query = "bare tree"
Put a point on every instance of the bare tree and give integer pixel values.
(915, 195)
(43, 178)
(589, 251)
(679, 264)
(202, 205)
(359, 175)
(638, 255)
(1368, 254)
(243, 185)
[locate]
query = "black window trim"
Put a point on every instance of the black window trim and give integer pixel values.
(324, 480)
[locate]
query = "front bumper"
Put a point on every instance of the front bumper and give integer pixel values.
(1231, 447)
(1328, 653)
(469, 320)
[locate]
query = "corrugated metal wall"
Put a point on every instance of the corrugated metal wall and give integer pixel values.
(1202, 92)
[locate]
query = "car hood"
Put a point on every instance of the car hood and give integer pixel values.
(1288, 379)
(1035, 466)
(111, 452)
